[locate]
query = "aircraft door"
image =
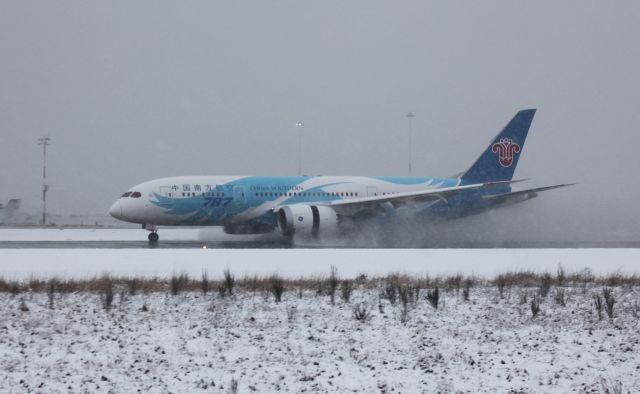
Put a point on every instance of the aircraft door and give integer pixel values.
(372, 191)
(167, 191)
(239, 196)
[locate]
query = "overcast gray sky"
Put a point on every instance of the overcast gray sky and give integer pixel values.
(131, 91)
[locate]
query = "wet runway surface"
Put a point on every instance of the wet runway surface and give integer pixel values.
(142, 245)
(287, 244)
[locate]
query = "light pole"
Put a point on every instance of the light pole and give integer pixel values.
(410, 116)
(44, 141)
(299, 126)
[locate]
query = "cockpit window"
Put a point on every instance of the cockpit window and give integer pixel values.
(127, 194)
(136, 195)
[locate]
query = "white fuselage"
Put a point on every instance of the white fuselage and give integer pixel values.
(229, 200)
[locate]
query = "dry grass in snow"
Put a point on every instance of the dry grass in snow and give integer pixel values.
(389, 335)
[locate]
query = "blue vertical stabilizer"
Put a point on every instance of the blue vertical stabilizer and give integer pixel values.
(498, 162)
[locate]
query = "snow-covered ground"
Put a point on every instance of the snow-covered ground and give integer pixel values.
(196, 343)
(82, 263)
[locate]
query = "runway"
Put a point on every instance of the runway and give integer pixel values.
(214, 238)
(88, 252)
(144, 245)
(287, 244)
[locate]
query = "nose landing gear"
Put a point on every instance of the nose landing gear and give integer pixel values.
(153, 235)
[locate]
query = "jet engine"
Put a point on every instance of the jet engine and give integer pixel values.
(307, 220)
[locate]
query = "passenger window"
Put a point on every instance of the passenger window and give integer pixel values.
(136, 195)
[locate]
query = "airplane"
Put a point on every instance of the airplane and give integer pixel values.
(320, 205)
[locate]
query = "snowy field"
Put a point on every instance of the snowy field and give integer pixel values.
(82, 263)
(159, 343)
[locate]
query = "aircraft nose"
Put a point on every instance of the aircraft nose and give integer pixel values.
(116, 210)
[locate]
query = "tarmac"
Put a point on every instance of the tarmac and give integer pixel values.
(308, 244)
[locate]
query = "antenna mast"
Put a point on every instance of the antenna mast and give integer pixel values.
(410, 116)
(44, 141)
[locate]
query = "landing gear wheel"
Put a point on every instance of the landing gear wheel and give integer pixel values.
(153, 237)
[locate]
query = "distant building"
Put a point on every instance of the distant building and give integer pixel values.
(9, 212)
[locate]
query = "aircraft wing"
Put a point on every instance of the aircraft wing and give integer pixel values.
(352, 206)
(521, 195)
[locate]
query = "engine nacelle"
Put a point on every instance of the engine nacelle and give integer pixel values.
(307, 220)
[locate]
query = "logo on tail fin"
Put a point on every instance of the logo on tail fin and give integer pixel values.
(505, 150)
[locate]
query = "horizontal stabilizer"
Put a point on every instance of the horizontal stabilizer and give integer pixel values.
(521, 195)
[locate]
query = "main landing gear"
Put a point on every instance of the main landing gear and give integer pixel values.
(153, 235)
